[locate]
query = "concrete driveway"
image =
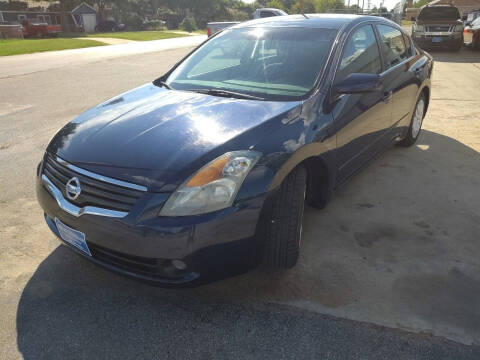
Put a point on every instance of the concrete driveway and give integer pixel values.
(397, 246)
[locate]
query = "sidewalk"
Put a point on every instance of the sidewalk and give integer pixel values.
(16, 65)
(109, 41)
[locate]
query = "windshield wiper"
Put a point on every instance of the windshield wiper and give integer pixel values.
(226, 93)
(164, 84)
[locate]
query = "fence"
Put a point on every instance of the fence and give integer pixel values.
(11, 31)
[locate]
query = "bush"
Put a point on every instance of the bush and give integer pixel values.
(188, 24)
(133, 21)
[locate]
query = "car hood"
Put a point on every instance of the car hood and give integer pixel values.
(152, 135)
(438, 21)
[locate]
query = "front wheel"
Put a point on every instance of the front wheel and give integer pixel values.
(284, 221)
(416, 123)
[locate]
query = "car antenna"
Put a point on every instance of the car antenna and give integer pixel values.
(305, 16)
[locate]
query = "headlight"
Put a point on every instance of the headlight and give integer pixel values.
(213, 187)
(418, 28)
(458, 27)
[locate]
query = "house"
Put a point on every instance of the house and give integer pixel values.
(53, 18)
(19, 17)
(464, 6)
(86, 16)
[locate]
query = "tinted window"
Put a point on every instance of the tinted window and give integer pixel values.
(265, 14)
(360, 54)
(393, 45)
(274, 63)
(432, 13)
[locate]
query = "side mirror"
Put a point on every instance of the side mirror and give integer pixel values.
(358, 83)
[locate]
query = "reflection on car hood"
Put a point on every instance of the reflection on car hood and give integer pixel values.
(157, 130)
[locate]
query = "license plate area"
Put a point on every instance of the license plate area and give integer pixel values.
(437, 39)
(73, 237)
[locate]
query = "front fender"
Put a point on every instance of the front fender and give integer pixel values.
(322, 150)
(310, 135)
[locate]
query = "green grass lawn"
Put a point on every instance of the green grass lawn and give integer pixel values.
(138, 35)
(27, 46)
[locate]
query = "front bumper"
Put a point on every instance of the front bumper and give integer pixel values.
(142, 245)
(447, 41)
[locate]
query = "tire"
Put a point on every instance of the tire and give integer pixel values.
(416, 122)
(283, 231)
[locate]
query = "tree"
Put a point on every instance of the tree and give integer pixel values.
(420, 3)
(354, 9)
(322, 6)
(303, 7)
(277, 4)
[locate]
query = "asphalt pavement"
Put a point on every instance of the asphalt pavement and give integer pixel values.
(389, 270)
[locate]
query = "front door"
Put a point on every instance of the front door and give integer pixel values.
(360, 119)
(89, 22)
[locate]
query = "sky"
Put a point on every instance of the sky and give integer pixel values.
(389, 4)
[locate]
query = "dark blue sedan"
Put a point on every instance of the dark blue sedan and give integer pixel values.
(204, 172)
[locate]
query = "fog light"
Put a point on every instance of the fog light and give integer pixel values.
(179, 264)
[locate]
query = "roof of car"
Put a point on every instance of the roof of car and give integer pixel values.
(328, 21)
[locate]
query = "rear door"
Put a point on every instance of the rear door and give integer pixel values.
(360, 119)
(399, 79)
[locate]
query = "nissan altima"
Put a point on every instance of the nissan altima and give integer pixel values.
(204, 172)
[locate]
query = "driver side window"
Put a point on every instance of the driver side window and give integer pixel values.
(360, 54)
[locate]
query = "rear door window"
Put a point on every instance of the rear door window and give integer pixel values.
(265, 14)
(393, 45)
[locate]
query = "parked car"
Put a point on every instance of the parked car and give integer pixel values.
(215, 27)
(469, 17)
(32, 28)
(471, 34)
(204, 172)
(109, 26)
(438, 26)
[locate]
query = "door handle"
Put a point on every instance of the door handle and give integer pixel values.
(387, 96)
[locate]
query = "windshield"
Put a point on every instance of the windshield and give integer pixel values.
(439, 13)
(271, 63)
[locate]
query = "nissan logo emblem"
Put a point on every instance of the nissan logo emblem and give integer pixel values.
(73, 189)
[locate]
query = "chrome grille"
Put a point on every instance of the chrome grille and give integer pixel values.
(95, 191)
(439, 28)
